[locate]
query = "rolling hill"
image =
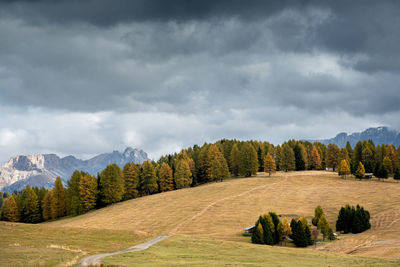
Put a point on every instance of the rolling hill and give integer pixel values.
(220, 211)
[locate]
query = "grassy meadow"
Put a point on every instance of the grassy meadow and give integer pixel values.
(206, 223)
(190, 250)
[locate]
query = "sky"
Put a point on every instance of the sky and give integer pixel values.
(88, 77)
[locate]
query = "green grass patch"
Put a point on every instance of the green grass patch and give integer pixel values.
(42, 245)
(199, 251)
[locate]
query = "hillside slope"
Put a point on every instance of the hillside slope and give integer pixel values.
(221, 210)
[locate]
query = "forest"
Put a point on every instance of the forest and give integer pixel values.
(191, 167)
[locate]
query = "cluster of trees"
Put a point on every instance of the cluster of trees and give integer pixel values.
(319, 220)
(382, 160)
(269, 230)
(353, 220)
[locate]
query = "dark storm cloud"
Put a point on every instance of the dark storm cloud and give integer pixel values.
(200, 70)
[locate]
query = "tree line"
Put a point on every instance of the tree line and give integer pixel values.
(191, 167)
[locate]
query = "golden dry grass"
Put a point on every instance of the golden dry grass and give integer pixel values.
(222, 210)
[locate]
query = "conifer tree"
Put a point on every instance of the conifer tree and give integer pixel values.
(280, 230)
(315, 159)
(299, 236)
(300, 155)
(269, 164)
(387, 164)
(10, 209)
(183, 175)
(88, 192)
(46, 205)
(360, 172)
(148, 179)
(287, 162)
(278, 157)
(323, 226)
(111, 184)
(30, 210)
(318, 212)
(74, 205)
(235, 160)
(257, 234)
(58, 201)
(165, 178)
(268, 230)
(248, 160)
(1, 200)
(344, 168)
(308, 237)
(219, 169)
(332, 156)
(131, 180)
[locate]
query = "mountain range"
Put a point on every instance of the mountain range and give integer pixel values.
(379, 135)
(42, 169)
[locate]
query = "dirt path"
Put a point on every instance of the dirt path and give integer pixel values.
(173, 231)
(96, 259)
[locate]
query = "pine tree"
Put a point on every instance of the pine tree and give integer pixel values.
(344, 168)
(360, 172)
(148, 179)
(318, 212)
(88, 192)
(165, 178)
(269, 164)
(46, 205)
(183, 175)
(323, 226)
(30, 210)
(308, 237)
(300, 155)
(387, 164)
(219, 169)
(235, 160)
(257, 234)
(131, 180)
(332, 156)
(58, 201)
(278, 157)
(299, 236)
(280, 230)
(10, 209)
(268, 230)
(315, 159)
(111, 185)
(74, 205)
(288, 162)
(248, 160)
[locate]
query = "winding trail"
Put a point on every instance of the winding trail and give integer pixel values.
(94, 260)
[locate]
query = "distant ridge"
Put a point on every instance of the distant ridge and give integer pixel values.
(42, 169)
(379, 135)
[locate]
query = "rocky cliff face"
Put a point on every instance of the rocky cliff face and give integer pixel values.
(42, 169)
(379, 135)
